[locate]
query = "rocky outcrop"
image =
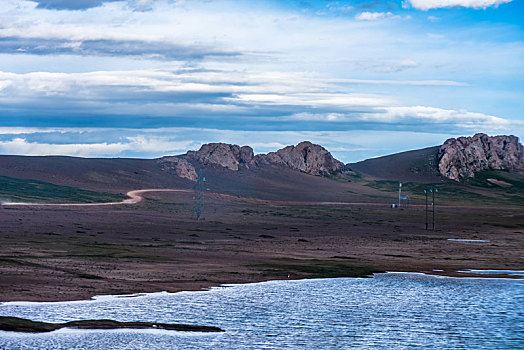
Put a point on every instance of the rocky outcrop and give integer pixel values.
(306, 157)
(228, 156)
(179, 166)
(463, 157)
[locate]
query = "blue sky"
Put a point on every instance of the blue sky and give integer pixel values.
(146, 78)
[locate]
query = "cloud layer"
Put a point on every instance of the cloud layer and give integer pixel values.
(347, 146)
(109, 47)
(311, 69)
(189, 97)
(374, 16)
(435, 4)
(74, 4)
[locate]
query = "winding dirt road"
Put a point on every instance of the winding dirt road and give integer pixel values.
(134, 198)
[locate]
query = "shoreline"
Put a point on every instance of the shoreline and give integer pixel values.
(436, 274)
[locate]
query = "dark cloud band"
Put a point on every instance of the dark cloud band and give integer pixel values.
(107, 47)
(70, 4)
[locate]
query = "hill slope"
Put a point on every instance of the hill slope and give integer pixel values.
(419, 165)
(267, 181)
(305, 172)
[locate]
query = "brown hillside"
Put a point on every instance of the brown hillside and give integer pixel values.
(118, 175)
(417, 166)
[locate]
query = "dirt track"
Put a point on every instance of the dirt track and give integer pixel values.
(134, 198)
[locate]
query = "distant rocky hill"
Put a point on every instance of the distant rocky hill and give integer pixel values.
(457, 159)
(461, 158)
(305, 157)
(287, 173)
(228, 156)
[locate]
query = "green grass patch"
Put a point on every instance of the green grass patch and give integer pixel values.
(515, 181)
(33, 191)
(475, 191)
(314, 268)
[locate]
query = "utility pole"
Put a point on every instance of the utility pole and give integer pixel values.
(433, 205)
(426, 193)
(198, 205)
(432, 190)
(399, 192)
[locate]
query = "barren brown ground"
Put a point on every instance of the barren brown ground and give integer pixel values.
(67, 253)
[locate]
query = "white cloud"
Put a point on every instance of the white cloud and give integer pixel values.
(4, 84)
(154, 144)
(338, 100)
(374, 16)
(20, 146)
(407, 63)
(139, 144)
(218, 81)
(425, 117)
(163, 81)
(400, 66)
(434, 4)
(346, 145)
(328, 117)
(422, 114)
(7, 130)
(399, 82)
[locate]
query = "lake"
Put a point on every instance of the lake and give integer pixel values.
(392, 310)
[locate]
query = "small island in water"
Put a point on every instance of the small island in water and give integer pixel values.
(15, 324)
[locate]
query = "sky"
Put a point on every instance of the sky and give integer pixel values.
(364, 78)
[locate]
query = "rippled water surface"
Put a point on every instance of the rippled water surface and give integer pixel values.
(393, 310)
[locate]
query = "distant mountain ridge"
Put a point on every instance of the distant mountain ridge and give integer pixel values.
(305, 157)
(302, 172)
(457, 159)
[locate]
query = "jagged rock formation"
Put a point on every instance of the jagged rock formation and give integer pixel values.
(223, 154)
(179, 166)
(463, 157)
(306, 157)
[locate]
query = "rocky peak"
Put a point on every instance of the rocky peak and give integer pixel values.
(462, 157)
(225, 155)
(222, 154)
(306, 157)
